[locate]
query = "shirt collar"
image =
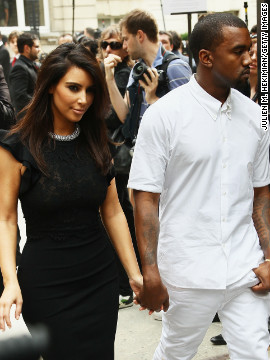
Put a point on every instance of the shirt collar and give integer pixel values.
(159, 58)
(208, 102)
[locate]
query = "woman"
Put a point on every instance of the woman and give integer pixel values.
(111, 45)
(253, 78)
(57, 161)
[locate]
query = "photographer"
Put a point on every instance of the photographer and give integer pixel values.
(140, 35)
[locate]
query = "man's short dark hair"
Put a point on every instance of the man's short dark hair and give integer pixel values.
(162, 32)
(90, 31)
(176, 40)
(141, 20)
(25, 39)
(207, 33)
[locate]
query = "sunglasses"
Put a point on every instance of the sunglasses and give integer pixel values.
(114, 45)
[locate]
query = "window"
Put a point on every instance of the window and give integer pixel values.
(8, 8)
(34, 13)
(25, 14)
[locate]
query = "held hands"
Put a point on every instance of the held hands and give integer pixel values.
(11, 295)
(263, 274)
(110, 62)
(153, 296)
(150, 85)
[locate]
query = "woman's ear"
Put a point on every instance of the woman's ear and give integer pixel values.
(205, 58)
(51, 90)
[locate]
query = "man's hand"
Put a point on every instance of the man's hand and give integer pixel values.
(263, 274)
(150, 86)
(110, 63)
(153, 295)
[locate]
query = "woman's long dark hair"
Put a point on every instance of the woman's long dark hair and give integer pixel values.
(38, 121)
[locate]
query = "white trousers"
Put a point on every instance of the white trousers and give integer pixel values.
(244, 316)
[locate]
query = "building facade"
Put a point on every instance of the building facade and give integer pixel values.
(54, 17)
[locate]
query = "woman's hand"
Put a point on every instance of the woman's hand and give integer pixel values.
(11, 295)
(110, 62)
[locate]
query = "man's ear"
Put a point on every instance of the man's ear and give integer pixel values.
(140, 36)
(206, 58)
(26, 49)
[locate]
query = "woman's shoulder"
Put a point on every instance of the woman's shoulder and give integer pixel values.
(12, 143)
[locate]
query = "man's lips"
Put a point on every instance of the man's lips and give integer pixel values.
(246, 71)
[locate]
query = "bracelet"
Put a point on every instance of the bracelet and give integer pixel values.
(267, 260)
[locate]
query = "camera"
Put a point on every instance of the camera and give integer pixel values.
(141, 68)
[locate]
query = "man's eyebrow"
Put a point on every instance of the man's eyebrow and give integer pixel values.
(242, 46)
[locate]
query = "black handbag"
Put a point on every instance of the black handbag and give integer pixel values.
(122, 158)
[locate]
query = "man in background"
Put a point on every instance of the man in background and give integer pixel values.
(23, 75)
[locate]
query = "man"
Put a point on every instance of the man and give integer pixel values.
(89, 32)
(23, 75)
(65, 38)
(201, 154)
(140, 35)
(166, 40)
(4, 12)
(4, 59)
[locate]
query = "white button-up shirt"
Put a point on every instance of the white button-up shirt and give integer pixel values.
(204, 158)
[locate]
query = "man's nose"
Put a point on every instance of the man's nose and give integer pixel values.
(247, 59)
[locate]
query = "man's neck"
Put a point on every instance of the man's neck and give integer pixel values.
(150, 53)
(218, 92)
(27, 57)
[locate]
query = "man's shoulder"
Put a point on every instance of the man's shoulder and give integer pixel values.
(245, 102)
(4, 51)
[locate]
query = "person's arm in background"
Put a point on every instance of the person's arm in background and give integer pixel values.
(179, 73)
(7, 115)
(121, 79)
(119, 103)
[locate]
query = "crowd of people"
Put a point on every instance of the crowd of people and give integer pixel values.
(141, 179)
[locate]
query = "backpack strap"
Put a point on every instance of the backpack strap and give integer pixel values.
(163, 87)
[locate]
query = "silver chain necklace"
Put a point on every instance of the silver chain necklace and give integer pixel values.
(70, 137)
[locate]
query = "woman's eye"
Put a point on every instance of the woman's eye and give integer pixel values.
(73, 88)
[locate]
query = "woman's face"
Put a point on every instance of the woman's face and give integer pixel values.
(71, 97)
(253, 55)
(13, 45)
(108, 50)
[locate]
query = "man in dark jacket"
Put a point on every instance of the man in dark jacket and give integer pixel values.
(4, 59)
(23, 75)
(7, 116)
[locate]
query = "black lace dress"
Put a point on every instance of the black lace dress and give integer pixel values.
(67, 272)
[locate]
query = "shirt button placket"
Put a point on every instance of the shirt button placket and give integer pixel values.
(224, 179)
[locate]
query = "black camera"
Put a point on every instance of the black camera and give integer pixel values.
(141, 68)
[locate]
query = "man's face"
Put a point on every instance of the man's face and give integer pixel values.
(131, 44)
(165, 40)
(34, 50)
(231, 59)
